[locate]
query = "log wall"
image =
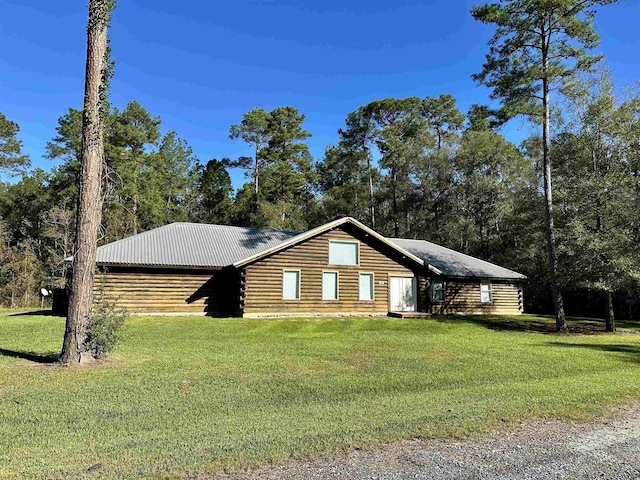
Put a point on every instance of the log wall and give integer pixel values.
(213, 293)
(263, 279)
(464, 297)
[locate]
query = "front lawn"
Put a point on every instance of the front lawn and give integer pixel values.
(192, 395)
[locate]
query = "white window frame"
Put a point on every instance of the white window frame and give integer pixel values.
(352, 242)
(373, 287)
(337, 286)
(433, 291)
(488, 283)
(299, 272)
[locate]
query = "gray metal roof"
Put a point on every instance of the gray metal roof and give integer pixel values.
(190, 245)
(455, 264)
(199, 245)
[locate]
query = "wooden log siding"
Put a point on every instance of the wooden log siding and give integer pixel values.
(148, 291)
(263, 287)
(464, 297)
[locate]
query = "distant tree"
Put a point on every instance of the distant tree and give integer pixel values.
(482, 118)
(12, 159)
(281, 170)
(436, 172)
(355, 142)
(538, 45)
(344, 181)
(90, 182)
(287, 176)
(166, 182)
(24, 274)
(67, 146)
(401, 138)
(213, 189)
(24, 203)
(491, 174)
(443, 117)
(59, 237)
(134, 133)
(254, 130)
(596, 193)
(244, 208)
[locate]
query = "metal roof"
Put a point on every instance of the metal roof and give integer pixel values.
(199, 245)
(455, 264)
(190, 245)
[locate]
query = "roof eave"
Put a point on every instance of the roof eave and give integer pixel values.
(159, 266)
(488, 277)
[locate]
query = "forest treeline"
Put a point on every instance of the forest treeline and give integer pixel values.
(410, 167)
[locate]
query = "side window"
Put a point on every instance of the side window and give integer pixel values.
(485, 291)
(329, 285)
(343, 253)
(437, 291)
(291, 285)
(365, 285)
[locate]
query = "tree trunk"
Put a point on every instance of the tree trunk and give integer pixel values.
(255, 203)
(609, 315)
(558, 304)
(135, 212)
(255, 172)
(372, 206)
(90, 186)
(396, 227)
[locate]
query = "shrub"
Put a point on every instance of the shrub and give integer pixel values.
(104, 324)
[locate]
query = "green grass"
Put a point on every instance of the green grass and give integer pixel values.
(194, 395)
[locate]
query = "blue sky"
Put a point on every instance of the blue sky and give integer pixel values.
(200, 64)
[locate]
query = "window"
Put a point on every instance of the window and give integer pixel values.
(366, 286)
(291, 285)
(343, 253)
(329, 285)
(437, 291)
(485, 292)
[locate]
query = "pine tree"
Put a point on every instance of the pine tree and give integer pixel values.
(537, 45)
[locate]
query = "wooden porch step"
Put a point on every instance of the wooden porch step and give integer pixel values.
(409, 314)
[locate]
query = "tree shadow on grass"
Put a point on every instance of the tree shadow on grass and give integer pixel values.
(40, 313)
(45, 358)
(537, 324)
(632, 352)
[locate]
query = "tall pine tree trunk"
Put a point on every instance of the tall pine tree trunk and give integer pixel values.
(90, 185)
(135, 211)
(558, 303)
(256, 198)
(255, 172)
(394, 205)
(372, 206)
(609, 315)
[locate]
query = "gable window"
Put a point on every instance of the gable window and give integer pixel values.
(437, 291)
(485, 291)
(343, 253)
(366, 286)
(329, 285)
(291, 285)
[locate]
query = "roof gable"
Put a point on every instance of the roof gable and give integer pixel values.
(325, 228)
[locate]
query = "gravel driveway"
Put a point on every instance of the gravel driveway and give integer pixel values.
(607, 449)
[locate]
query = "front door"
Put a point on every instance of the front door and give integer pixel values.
(403, 294)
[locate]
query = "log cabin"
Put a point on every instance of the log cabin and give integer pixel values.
(340, 268)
